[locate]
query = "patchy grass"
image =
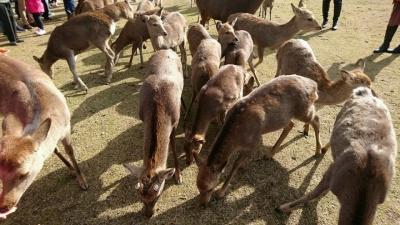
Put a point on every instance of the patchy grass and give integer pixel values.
(107, 132)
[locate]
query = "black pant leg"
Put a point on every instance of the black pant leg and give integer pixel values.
(337, 9)
(38, 21)
(8, 22)
(325, 9)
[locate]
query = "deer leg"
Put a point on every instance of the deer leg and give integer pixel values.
(70, 152)
(183, 59)
(178, 177)
(141, 55)
(220, 193)
(188, 110)
(326, 148)
(253, 70)
(131, 57)
(105, 48)
(260, 52)
(306, 129)
(270, 13)
(278, 143)
(315, 124)
(72, 66)
(319, 191)
(64, 160)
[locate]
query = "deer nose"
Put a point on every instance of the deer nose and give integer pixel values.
(4, 209)
(236, 39)
(165, 33)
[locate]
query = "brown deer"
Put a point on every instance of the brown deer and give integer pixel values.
(36, 118)
(364, 150)
(168, 33)
(267, 34)
(91, 5)
(196, 33)
(263, 11)
(237, 46)
(222, 9)
(297, 57)
(159, 110)
(268, 108)
(77, 34)
(214, 99)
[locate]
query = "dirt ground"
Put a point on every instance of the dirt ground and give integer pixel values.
(107, 132)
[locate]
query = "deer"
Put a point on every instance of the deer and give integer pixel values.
(364, 149)
(91, 5)
(35, 119)
(297, 57)
(169, 32)
(267, 34)
(77, 34)
(195, 35)
(237, 46)
(215, 98)
(222, 9)
(265, 5)
(266, 109)
(159, 109)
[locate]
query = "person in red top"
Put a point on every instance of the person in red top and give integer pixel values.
(391, 29)
(36, 8)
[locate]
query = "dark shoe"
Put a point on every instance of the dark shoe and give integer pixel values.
(19, 28)
(20, 40)
(390, 31)
(13, 43)
(324, 23)
(383, 48)
(335, 26)
(27, 26)
(395, 50)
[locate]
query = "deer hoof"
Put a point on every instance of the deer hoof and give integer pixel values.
(83, 183)
(220, 193)
(324, 150)
(283, 208)
(178, 179)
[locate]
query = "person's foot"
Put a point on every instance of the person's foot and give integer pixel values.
(335, 26)
(40, 32)
(13, 43)
(324, 23)
(19, 28)
(20, 40)
(27, 26)
(395, 50)
(383, 48)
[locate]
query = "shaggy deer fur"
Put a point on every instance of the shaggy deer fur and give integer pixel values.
(77, 34)
(267, 34)
(214, 100)
(297, 57)
(266, 109)
(159, 110)
(195, 35)
(36, 119)
(263, 11)
(222, 9)
(364, 150)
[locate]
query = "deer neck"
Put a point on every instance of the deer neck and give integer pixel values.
(200, 125)
(158, 42)
(336, 93)
(286, 32)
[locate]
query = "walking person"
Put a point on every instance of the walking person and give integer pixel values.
(8, 21)
(20, 4)
(391, 29)
(337, 8)
(36, 8)
(69, 7)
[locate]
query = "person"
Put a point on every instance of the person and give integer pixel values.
(337, 8)
(36, 8)
(8, 21)
(391, 29)
(21, 11)
(69, 7)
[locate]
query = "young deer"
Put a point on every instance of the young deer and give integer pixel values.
(159, 110)
(364, 150)
(267, 34)
(168, 33)
(77, 34)
(263, 11)
(237, 46)
(214, 99)
(36, 119)
(266, 109)
(91, 5)
(297, 57)
(222, 9)
(196, 33)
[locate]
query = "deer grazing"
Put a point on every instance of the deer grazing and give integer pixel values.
(265, 5)
(168, 33)
(91, 5)
(196, 33)
(237, 46)
(36, 119)
(268, 108)
(159, 110)
(267, 34)
(215, 98)
(222, 9)
(364, 149)
(77, 34)
(297, 57)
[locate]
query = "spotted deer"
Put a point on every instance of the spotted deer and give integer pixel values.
(159, 109)
(364, 149)
(268, 108)
(35, 119)
(215, 98)
(267, 34)
(77, 34)
(297, 57)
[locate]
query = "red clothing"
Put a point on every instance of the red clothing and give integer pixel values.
(34, 6)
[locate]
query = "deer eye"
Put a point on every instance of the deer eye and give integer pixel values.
(227, 32)
(23, 176)
(155, 24)
(309, 19)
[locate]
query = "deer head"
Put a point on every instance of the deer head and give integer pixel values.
(193, 144)
(126, 10)
(150, 185)
(155, 24)
(305, 19)
(356, 77)
(44, 65)
(18, 161)
(248, 84)
(226, 34)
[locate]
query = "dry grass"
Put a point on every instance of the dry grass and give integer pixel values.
(107, 132)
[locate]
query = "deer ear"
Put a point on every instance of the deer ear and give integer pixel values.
(218, 25)
(346, 75)
(36, 59)
(294, 8)
(12, 125)
(145, 18)
(360, 64)
(133, 169)
(301, 4)
(233, 22)
(250, 82)
(159, 12)
(166, 174)
(41, 133)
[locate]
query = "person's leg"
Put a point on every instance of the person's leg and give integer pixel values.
(46, 13)
(13, 23)
(336, 13)
(390, 29)
(22, 13)
(69, 7)
(325, 12)
(7, 25)
(38, 21)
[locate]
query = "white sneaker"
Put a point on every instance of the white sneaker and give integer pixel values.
(40, 32)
